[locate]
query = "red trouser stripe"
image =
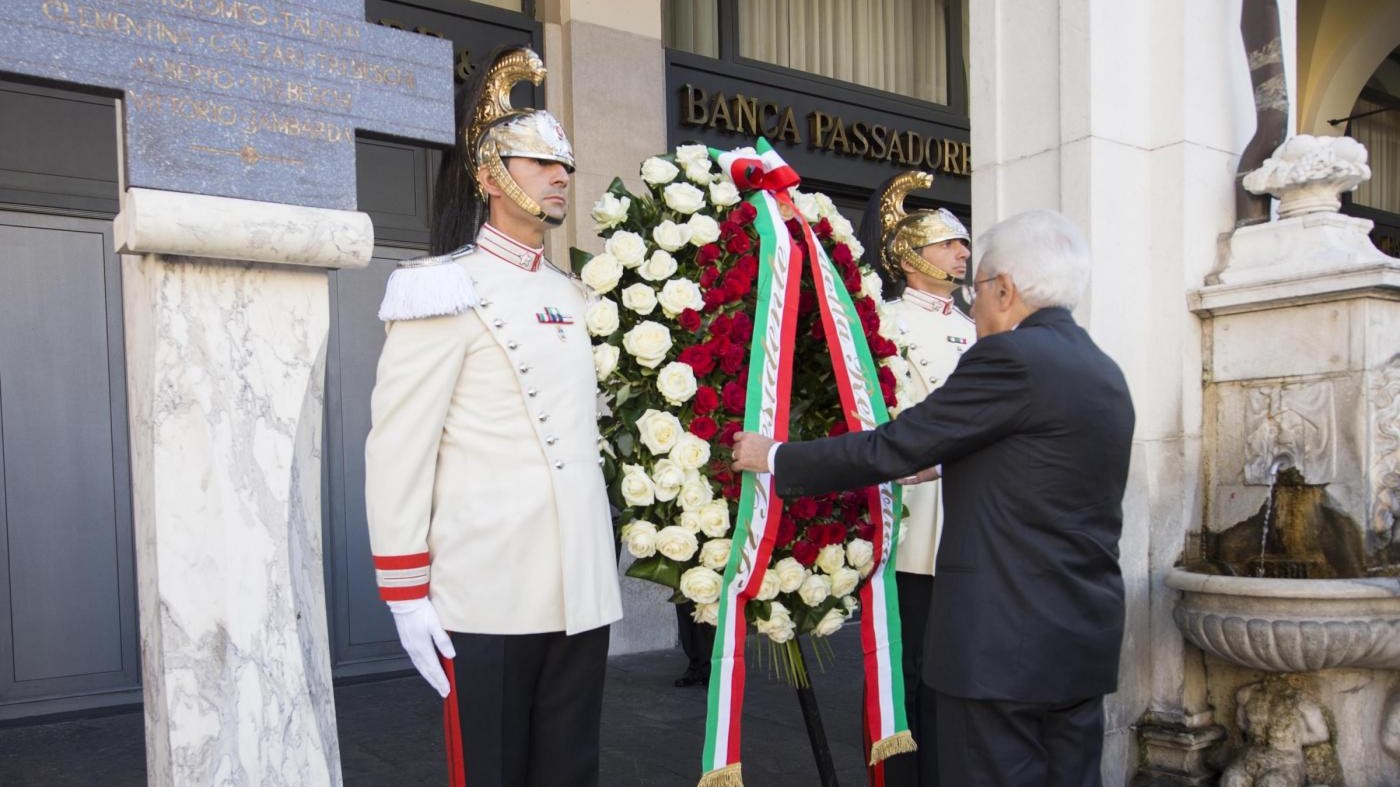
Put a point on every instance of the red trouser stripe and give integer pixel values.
(452, 728)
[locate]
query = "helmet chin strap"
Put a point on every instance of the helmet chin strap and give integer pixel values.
(496, 168)
(918, 263)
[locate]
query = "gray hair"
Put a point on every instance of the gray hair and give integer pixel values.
(1043, 253)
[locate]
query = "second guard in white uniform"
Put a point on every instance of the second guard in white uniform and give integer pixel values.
(922, 260)
(487, 508)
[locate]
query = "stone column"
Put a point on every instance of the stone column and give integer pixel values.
(607, 84)
(226, 312)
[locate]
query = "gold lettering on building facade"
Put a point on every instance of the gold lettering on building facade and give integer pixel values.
(752, 116)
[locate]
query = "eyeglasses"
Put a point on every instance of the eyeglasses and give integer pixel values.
(971, 289)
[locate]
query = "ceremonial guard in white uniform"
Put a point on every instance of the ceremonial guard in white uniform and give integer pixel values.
(922, 260)
(487, 509)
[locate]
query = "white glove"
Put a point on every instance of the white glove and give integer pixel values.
(422, 637)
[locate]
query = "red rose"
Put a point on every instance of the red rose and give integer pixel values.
(866, 529)
(737, 284)
(870, 324)
(805, 552)
(891, 399)
(803, 508)
(882, 347)
(733, 397)
(748, 264)
(729, 228)
(825, 505)
(727, 432)
(730, 491)
(794, 228)
(699, 358)
(884, 375)
(833, 534)
(706, 398)
(841, 253)
(741, 327)
(838, 428)
(851, 280)
(822, 229)
(690, 320)
(703, 427)
(708, 276)
(818, 331)
(714, 298)
(745, 213)
(733, 359)
(787, 531)
(719, 326)
(722, 475)
(865, 306)
(738, 243)
(806, 302)
(708, 254)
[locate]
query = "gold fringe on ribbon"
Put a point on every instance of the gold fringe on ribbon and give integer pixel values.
(899, 743)
(729, 776)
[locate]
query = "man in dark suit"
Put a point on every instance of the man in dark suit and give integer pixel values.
(1032, 433)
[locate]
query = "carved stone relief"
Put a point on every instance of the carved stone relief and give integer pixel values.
(1290, 425)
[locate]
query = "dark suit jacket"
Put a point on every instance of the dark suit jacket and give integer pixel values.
(1033, 431)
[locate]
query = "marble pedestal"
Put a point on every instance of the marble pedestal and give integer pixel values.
(225, 370)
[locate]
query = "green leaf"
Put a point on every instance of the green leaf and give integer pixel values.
(658, 569)
(625, 444)
(578, 257)
(618, 189)
(678, 598)
(621, 395)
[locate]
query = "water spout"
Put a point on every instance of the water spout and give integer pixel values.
(1282, 461)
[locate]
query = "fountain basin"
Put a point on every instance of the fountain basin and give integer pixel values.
(1291, 625)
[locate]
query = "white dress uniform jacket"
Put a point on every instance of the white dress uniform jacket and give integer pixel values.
(483, 484)
(937, 334)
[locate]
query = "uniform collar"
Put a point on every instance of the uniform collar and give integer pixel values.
(504, 247)
(928, 301)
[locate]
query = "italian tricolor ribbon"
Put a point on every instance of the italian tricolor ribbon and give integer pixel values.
(767, 178)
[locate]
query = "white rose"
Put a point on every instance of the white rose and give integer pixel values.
(658, 267)
(639, 298)
(659, 431)
(605, 360)
(825, 207)
(670, 235)
(699, 172)
(859, 552)
(790, 574)
(724, 193)
(851, 603)
(701, 585)
(690, 452)
(668, 479)
(779, 626)
(680, 294)
(831, 558)
(806, 205)
(683, 197)
(814, 589)
(714, 518)
(706, 613)
(695, 492)
(601, 317)
(830, 623)
(627, 247)
(871, 286)
(857, 250)
(770, 587)
(609, 211)
(676, 542)
(715, 553)
(640, 538)
(676, 382)
(844, 581)
(648, 342)
(691, 154)
(637, 488)
(703, 229)
(690, 519)
(658, 170)
(841, 229)
(601, 273)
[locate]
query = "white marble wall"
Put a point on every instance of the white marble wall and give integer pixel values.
(225, 368)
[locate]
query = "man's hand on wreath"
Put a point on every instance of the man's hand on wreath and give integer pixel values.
(423, 637)
(751, 452)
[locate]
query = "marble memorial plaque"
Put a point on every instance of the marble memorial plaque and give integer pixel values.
(254, 99)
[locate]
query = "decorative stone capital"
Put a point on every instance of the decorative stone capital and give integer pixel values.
(1308, 174)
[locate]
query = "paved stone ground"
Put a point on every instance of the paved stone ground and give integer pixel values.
(391, 731)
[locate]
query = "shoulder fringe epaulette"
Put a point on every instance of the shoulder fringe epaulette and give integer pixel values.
(427, 287)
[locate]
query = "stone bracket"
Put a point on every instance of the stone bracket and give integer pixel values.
(1174, 750)
(222, 228)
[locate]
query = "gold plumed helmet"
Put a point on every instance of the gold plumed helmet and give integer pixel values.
(500, 131)
(902, 234)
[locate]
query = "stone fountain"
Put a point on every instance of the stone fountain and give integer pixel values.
(1290, 590)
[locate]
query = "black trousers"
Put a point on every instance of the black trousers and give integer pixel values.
(991, 743)
(697, 640)
(529, 708)
(919, 769)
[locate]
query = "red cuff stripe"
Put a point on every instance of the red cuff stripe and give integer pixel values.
(404, 593)
(393, 562)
